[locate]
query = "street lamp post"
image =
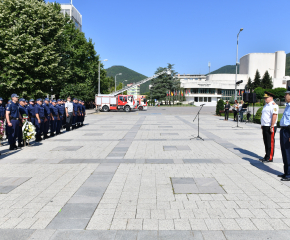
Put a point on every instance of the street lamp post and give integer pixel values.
(116, 80)
(237, 64)
(99, 84)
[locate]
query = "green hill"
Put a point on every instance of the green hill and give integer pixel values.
(226, 69)
(288, 64)
(129, 75)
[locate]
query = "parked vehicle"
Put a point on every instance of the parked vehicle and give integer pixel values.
(142, 104)
(107, 103)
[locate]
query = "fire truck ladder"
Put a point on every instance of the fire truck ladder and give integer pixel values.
(168, 71)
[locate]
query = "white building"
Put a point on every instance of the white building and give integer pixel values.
(74, 14)
(208, 89)
(135, 91)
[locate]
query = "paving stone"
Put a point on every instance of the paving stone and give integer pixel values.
(67, 148)
(182, 181)
(83, 235)
(19, 234)
(42, 234)
(77, 210)
(185, 188)
(68, 223)
(126, 235)
(213, 235)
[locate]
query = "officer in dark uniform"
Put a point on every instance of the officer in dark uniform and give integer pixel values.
(53, 117)
(60, 118)
(2, 110)
(31, 111)
(84, 112)
(47, 115)
(64, 115)
(26, 103)
(285, 138)
(75, 114)
(40, 119)
(79, 113)
(23, 111)
(12, 125)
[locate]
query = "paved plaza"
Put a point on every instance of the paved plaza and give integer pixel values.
(139, 176)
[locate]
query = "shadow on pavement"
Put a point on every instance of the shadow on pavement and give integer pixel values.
(257, 163)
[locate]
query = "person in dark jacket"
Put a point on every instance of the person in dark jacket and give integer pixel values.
(227, 109)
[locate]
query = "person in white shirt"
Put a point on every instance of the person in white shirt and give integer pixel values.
(69, 113)
(269, 120)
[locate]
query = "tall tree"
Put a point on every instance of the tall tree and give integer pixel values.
(266, 82)
(249, 85)
(164, 83)
(257, 80)
(31, 36)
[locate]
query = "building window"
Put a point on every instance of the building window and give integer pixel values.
(205, 99)
(196, 99)
(209, 99)
(200, 99)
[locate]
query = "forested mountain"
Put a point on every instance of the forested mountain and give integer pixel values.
(225, 69)
(129, 75)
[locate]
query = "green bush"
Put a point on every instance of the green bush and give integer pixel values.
(220, 107)
(258, 115)
(179, 103)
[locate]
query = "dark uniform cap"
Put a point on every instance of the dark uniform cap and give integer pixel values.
(21, 100)
(1, 99)
(58, 100)
(268, 94)
(14, 95)
(26, 101)
(31, 100)
(39, 99)
(288, 90)
(53, 101)
(46, 99)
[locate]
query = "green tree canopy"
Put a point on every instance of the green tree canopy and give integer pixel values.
(31, 36)
(257, 80)
(164, 83)
(249, 85)
(267, 81)
(259, 92)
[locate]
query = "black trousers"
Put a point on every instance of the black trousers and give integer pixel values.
(68, 121)
(235, 114)
(269, 142)
(226, 114)
(285, 149)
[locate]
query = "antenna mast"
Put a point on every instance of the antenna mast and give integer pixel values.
(209, 67)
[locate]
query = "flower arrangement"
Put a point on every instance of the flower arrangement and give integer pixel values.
(1, 129)
(28, 130)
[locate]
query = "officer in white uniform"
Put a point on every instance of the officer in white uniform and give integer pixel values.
(269, 126)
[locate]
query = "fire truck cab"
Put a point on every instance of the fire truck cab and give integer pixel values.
(121, 102)
(142, 104)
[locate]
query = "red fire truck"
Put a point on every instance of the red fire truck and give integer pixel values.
(106, 103)
(142, 104)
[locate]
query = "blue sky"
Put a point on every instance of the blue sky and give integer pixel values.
(144, 35)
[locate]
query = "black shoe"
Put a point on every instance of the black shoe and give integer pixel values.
(20, 145)
(262, 159)
(38, 139)
(52, 134)
(12, 147)
(45, 137)
(267, 160)
(282, 175)
(285, 179)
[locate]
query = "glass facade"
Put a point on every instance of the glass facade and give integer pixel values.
(202, 91)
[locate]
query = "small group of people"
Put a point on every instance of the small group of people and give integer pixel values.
(48, 116)
(238, 109)
(269, 121)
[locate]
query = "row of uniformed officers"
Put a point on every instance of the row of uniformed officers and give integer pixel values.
(48, 116)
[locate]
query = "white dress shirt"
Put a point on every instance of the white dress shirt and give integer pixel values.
(267, 114)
